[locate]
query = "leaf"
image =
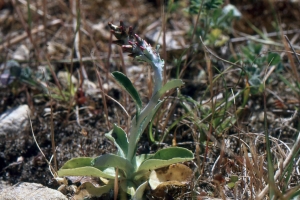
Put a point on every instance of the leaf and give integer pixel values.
(234, 178)
(111, 160)
(231, 185)
(175, 83)
(150, 110)
(77, 162)
(274, 59)
(119, 138)
(165, 157)
(255, 81)
(139, 159)
(83, 167)
(128, 86)
(85, 171)
(96, 191)
(146, 121)
(128, 187)
(139, 193)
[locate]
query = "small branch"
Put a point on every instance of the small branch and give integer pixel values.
(287, 161)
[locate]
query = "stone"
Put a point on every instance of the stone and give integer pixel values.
(30, 191)
(14, 120)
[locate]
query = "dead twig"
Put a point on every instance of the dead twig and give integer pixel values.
(286, 162)
(24, 35)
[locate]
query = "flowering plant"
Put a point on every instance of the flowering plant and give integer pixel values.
(133, 171)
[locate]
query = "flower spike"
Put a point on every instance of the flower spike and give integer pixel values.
(140, 50)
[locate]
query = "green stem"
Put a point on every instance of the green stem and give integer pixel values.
(137, 127)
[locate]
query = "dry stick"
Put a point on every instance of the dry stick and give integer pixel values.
(294, 68)
(77, 42)
(103, 98)
(210, 52)
(287, 161)
(167, 118)
(194, 31)
(52, 136)
(123, 92)
(25, 35)
(38, 11)
(266, 42)
(55, 79)
(245, 38)
(108, 55)
(164, 39)
(45, 18)
(116, 185)
(28, 29)
(210, 80)
(197, 147)
(52, 171)
(103, 93)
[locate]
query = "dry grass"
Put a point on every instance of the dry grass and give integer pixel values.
(73, 36)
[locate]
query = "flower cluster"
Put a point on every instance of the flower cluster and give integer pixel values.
(139, 49)
(134, 44)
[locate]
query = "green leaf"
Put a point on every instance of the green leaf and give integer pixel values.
(274, 59)
(119, 138)
(111, 160)
(128, 187)
(140, 158)
(86, 171)
(128, 86)
(234, 178)
(173, 152)
(98, 191)
(139, 193)
(77, 162)
(255, 81)
(146, 121)
(231, 185)
(165, 157)
(175, 83)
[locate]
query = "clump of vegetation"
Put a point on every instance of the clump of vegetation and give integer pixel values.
(235, 119)
(125, 168)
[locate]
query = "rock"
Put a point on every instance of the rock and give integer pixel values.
(64, 79)
(30, 191)
(21, 53)
(14, 120)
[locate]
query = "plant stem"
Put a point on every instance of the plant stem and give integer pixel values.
(137, 127)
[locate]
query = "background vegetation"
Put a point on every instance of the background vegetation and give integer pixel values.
(237, 112)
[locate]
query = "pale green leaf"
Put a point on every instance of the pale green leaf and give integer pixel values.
(111, 160)
(175, 83)
(125, 82)
(128, 187)
(77, 162)
(85, 171)
(119, 138)
(141, 158)
(98, 191)
(165, 157)
(139, 193)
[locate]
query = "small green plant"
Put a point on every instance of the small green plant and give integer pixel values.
(13, 74)
(215, 21)
(131, 171)
(255, 62)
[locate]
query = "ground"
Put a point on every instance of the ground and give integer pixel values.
(82, 117)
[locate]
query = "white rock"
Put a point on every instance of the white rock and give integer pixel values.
(64, 79)
(30, 191)
(14, 120)
(21, 53)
